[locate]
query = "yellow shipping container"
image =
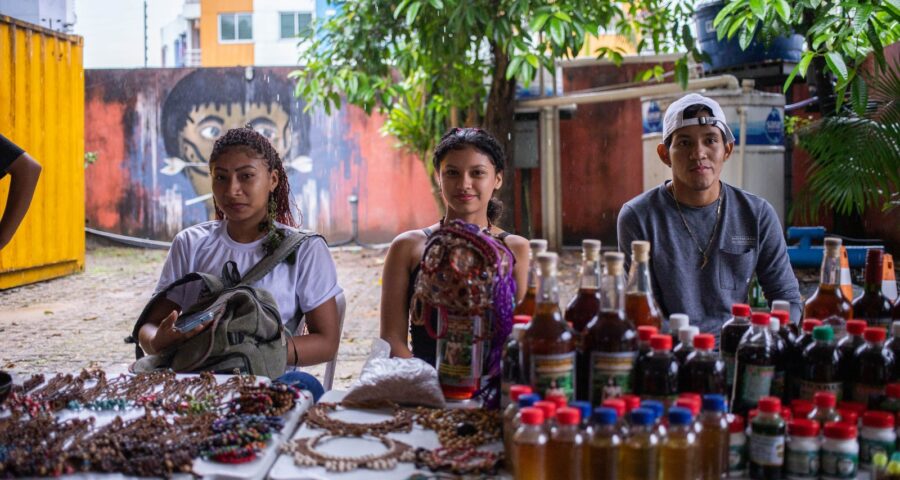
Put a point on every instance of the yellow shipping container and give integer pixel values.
(42, 111)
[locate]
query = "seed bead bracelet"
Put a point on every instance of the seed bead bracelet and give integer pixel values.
(272, 399)
(305, 455)
(318, 416)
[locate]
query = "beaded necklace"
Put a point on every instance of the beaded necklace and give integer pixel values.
(318, 416)
(305, 454)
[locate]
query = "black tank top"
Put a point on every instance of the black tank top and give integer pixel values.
(423, 346)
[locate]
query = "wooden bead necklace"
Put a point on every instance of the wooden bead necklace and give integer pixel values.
(459, 461)
(305, 455)
(461, 427)
(318, 416)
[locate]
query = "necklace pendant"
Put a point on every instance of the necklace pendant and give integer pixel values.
(705, 261)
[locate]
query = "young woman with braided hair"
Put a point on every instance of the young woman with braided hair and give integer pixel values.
(252, 204)
(469, 164)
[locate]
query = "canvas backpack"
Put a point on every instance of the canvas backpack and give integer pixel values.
(246, 331)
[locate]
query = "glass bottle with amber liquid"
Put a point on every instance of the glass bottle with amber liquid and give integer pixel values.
(872, 306)
(583, 309)
(610, 341)
(640, 306)
(527, 305)
(828, 303)
(548, 345)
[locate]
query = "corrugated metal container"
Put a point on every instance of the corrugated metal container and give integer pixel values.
(42, 111)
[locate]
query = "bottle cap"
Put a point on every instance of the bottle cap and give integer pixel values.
(736, 424)
(537, 245)
(856, 327)
(774, 324)
(803, 428)
(616, 404)
(714, 403)
(786, 414)
(631, 401)
(589, 245)
(686, 334)
(824, 399)
(521, 319)
(517, 391)
(874, 266)
(895, 329)
(584, 407)
(874, 334)
(559, 399)
(759, 318)
(661, 342)
(549, 408)
(878, 419)
(528, 400)
(605, 416)
(848, 416)
(678, 320)
(645, 332)
(840, 430)
(801, 408)
(823, 333)
(770, 404)
(568, 416)
(642, 416)
(614, 261)
(547, 262)
(751, 413)
(640, 250)
(833, 246)
(810, 323)
(740, 310)
(856, 407)
(892, 390)
(679, 416)
(783, 317)
(654, 406)
(688, 404)
(532, 416)
(704, 341)
(692, 396)
(782, 305)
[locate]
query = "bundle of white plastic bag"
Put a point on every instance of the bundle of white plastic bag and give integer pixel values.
(405, 381)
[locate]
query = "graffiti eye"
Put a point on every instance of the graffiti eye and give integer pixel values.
(265, 131)
(211, 132)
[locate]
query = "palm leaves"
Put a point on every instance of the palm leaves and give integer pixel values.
(855, 157)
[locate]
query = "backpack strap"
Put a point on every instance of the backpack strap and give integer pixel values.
(212, 284)
(288, 246)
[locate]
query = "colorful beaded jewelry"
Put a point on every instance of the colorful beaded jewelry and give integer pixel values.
(459, 461)
(305, 455)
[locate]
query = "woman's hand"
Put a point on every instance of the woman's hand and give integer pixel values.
(166, 334)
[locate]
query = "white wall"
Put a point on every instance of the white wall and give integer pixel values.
(168, 34)
(269, 48)
(57, 15)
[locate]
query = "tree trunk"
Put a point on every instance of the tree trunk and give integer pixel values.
(499, 119)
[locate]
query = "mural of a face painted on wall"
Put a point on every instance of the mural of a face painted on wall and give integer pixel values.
(206, 103)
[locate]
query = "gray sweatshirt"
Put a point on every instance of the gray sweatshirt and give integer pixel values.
(749, 239)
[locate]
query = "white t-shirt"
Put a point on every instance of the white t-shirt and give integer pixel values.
(206, 247)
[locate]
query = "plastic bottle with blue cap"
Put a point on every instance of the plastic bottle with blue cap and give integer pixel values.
(640, 451)
(601, 459)
(679, 452)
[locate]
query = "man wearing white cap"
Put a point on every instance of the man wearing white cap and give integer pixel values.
(708, 238)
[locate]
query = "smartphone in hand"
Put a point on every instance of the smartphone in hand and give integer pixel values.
(187, 323)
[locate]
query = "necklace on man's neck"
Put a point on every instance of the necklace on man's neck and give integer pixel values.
(704, 252)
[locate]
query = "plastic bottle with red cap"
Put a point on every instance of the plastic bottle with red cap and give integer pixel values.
(847, 347)
(549, 409)
(530, 446)
(819, 365)
(767, 431)
(840, 452)
(704, 370)
(509, 414)
(893, 344)
(644, 334)
(877, 436)
(795, 360)
(730, 337)
(737, 446)
(891, 402)
(874, 366)
(564, 449)
(755, 364)
(511, 373)
(825, 410)
(656, 378)
(801, 456)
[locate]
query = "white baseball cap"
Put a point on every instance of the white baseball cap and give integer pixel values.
(674, 118)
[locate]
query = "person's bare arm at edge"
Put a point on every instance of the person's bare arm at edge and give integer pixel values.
(519, 246)
(24, 173)
(320, 345)
(394, 286)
